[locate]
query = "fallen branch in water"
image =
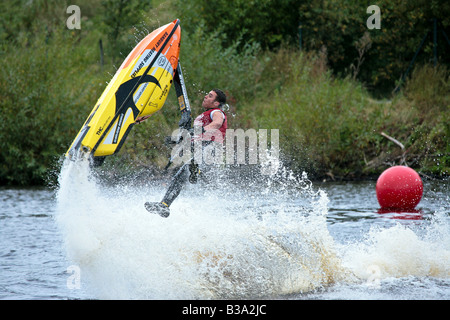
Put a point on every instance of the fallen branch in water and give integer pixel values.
(403, 159)
(393, 140)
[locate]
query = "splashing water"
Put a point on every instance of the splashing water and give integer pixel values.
(251, 237)
(226, 244)
(400, 252)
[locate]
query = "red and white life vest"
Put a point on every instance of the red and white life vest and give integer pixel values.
(206, 118)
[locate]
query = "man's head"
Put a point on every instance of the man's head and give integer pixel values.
(214, 99)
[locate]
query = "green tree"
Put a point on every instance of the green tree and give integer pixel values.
(119, 16)
(267, 22)
(341, 25)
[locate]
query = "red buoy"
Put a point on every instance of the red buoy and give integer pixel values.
(399, 187)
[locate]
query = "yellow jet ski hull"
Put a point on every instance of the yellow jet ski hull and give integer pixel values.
(138, 90)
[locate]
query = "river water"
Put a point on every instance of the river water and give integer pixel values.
(273, 237)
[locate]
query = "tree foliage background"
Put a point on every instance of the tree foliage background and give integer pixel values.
(335, 26)
(337, 89)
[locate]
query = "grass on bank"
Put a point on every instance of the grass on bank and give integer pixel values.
(332, 127)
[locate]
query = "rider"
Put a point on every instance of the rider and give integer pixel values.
(213, 122)
(213, 118)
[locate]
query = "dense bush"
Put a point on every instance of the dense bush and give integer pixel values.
(46, 93)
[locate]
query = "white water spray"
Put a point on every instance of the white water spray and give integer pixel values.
(232, 244)
(247, 239)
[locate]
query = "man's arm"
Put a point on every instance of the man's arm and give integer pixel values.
(217, 121)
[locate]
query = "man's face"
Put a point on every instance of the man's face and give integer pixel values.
(209, 101)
